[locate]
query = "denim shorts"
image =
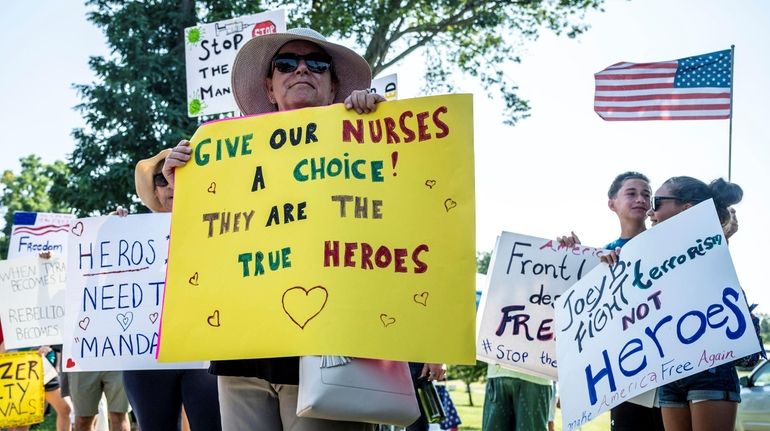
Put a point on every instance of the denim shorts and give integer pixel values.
(716, 384)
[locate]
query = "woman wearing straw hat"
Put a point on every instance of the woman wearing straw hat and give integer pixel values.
(281, 72)
(157, 395)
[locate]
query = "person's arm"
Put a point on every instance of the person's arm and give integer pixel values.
(178, 157)
(120, 211)
(362, 101)
(433, 371)
(570, 240)
(611, 257)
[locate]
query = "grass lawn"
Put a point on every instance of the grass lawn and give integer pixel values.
(471, 415)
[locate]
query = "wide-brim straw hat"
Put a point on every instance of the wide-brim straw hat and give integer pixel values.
(145, 186)
(253, 61)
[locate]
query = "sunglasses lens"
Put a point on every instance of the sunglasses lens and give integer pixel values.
(159, 180)
(286, 64)
(315, 62)
(317, 66)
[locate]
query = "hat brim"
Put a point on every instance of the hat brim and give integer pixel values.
(145, 187)
(251, 66)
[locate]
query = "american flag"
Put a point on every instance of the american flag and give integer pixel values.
(692, 88)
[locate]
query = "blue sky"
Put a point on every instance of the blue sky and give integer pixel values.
(544, 177)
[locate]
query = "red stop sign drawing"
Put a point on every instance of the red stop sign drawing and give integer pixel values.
(262, 28)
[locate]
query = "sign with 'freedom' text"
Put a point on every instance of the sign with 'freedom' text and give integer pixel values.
(321, 231)
(115, 282)
(515, 323)
(670, 308)
(35, 233)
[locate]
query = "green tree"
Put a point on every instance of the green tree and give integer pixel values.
(764, 327)
(137, 106)
(468, 374)
(30, 190)
(482, 261)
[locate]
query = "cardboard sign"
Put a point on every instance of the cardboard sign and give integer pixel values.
(35, 233)
(115, 283)
(32, 309)
(672, 307)
(321, 231)
(387, 86)
(210, 50)
(515, 325)
(21, 380)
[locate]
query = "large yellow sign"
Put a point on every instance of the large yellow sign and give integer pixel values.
(321, 231)
(21, 380)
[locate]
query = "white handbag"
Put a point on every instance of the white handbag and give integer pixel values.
(361, 390)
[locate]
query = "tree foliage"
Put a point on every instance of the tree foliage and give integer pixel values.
(764, 327)
(30, 190)
(482, 261)
(137, 106)
(467, 374)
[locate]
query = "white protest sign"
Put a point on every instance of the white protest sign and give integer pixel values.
(670, 308)
(515, 323)
(387, 86)
(32, 309)
(210, 50)
(115, 285)
(34, 233)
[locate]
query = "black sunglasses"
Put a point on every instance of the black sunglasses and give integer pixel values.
(159, 180)
(656, 201)
(316, 62)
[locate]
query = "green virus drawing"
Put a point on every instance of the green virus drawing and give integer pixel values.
(195, 105)
(194, 35)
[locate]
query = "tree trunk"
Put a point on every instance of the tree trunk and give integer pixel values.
(470, 395)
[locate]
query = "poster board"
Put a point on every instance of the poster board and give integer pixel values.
(515, 323)
(33, 233)
(32, 308)
(386, 85)
(210, 50)
(670, 308)
(300, 233)
(115, 283)
(21, 379)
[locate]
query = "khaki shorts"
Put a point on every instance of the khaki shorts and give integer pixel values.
(86, 390)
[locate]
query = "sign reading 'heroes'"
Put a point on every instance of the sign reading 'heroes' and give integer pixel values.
(320, 231)
(670, 308)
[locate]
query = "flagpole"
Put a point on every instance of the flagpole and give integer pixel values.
(730, 140)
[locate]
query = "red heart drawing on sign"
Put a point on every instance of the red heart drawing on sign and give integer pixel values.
(70, 363)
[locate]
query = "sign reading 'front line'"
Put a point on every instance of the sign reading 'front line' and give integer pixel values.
(670, 308)
(321, 231)
(516, 319)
